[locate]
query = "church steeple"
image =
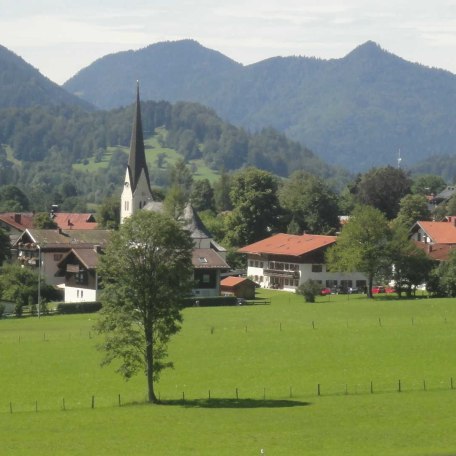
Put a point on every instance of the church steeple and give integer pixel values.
(136, 192)
(137, 157)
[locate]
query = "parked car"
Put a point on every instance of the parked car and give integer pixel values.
(378, 289)
(325, 291)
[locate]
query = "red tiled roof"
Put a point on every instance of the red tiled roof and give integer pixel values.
(69, 221)
(440, 232)
(233, 281)
(18, 220)
(289, 244)
(438, 252)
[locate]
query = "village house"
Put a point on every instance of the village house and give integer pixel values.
(436, 239)
(79, 269)
(43, 250)
(285, 261)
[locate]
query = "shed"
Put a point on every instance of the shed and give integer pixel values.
(239, 287)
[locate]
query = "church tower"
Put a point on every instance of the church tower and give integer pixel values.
(136, 192)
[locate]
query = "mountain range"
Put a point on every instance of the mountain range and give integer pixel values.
(358, 111)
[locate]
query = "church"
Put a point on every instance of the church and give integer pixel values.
(209, 258)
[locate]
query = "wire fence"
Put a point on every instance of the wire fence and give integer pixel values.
(237, 397)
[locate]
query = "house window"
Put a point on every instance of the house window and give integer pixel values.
(261, 264)
(206, 278)
(361, 284)
(317, 268)
(256, 264)
(331, 283)
(81, 277)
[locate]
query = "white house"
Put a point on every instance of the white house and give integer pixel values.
(285, 261)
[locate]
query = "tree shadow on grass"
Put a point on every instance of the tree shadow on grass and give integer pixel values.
(235, 403)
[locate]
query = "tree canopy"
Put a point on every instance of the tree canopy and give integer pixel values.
(312, 205)
(256, 207)
(363, 245)
(383, 188)
(147, 270)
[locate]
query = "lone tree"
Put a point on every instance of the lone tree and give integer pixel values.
(147, 270)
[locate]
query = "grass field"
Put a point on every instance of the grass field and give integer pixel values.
(261, 366)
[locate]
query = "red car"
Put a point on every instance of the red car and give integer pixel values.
(325, 291)
(376, 290)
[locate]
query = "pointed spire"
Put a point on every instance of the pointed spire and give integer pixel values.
(137, 157)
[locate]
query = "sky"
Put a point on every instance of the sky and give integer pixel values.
(59, 38)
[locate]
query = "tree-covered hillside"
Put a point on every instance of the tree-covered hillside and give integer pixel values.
(357, 111)
(40, 145)
(22, 85)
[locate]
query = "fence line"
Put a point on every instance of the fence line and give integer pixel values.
(321, 390)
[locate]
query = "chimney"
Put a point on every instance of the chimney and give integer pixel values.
(17, 218)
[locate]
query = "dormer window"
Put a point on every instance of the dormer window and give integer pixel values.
(202, 260)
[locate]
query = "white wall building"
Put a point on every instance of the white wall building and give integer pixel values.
(285, 261)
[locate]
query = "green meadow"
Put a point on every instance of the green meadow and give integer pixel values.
(153, 149)
(342, 376)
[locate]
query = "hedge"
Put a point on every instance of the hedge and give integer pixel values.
(77, 307)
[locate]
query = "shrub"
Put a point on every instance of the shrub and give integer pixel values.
(77, 307)
(309, 289)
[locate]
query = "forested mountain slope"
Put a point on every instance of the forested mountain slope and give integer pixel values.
(22, 85)
(357, 111)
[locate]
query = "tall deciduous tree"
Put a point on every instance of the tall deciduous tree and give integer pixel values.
(383, 188)
(363, 245)
(147, 270)
(311, 203)
(256, 207)
(412, 209)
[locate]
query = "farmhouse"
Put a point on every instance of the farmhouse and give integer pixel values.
(285, 261)
(208, 256)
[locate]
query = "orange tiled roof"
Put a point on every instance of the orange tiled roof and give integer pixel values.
(69, 221)
(232, 281)
(440, 232)
(289, 244)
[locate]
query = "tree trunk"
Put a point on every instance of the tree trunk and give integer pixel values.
(370, 283)
(150, 365)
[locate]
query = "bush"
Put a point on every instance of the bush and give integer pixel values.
(77, 307)
(309, 289)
